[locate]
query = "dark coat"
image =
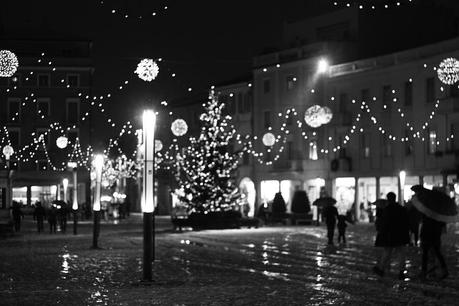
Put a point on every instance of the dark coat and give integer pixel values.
(393, 227)
(431, 231)
(330, 214)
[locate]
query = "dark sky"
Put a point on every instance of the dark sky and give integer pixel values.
(204, 42)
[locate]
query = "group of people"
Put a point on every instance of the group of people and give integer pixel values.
(55, 214)
(393, 227)
(396, 227)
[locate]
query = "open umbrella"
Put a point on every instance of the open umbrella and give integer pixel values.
(325, 201)
(435, 204)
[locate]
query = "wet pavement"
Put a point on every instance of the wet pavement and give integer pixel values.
(285, 265)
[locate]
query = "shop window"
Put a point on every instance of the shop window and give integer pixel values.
(267, 119)
(430, 90)
(408, 93)
(266, 85)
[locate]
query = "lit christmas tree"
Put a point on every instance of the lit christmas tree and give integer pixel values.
(204, 169)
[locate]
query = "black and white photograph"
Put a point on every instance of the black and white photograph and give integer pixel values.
(166, 152)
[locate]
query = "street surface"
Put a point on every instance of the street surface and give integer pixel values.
(283, 265)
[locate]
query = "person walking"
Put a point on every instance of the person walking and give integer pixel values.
(414, 217)
(342, 224)
(392, 236)
(431, 231)
(52, 219)
(18, 215)
(39, 214)
(62, 216)
(330, 214)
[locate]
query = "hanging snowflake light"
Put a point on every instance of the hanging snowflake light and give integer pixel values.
(269, 139)
(314, 116)
(327, 115)
(448, 71)
(179, 127)
(158, 145)
(8, 63)
(147, 70)
(62, 142)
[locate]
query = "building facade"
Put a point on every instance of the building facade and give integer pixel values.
(46, 99)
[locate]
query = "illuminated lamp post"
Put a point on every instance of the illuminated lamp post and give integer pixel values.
(8, 151)
(149, 121)
(65, 185)
(98, 163)
(402, 177)
(73, 166)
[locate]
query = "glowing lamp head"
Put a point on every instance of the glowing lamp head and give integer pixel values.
(8, 151)
(322, 66)
(65, 183)
(62, 142)
(72, 165)
(98, 162)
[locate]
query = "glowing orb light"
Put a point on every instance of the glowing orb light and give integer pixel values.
(314, 116)
(62, 142)
(448, 71)
(179, 127)
(8, 63)
(158, 145)
(147, 70)
(327, 115)
(269, 139)
(8, 151)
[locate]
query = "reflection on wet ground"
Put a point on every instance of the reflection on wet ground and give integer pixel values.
(266, 266)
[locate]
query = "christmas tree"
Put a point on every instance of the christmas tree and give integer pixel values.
(204, 169)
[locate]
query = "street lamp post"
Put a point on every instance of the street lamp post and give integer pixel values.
(98, 163)
(73, 166)
(149, 121)
(65, 185)
(8, 151)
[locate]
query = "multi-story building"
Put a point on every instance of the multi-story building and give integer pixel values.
(47, 98)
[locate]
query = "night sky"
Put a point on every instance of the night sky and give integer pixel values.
(203, 42)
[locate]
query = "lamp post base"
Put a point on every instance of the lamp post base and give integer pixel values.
(96, 230)
(148, 248)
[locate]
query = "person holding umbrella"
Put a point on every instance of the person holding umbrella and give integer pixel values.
(392, 235)
(330, 214)
(437, 209)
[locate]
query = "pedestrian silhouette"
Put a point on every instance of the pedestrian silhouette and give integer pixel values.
(414, 217)
(39, 214)
(431, 231)
(393, 235)
(18, 215)
(330, 214)
(342, 224)
(62, 215)
(52, 218)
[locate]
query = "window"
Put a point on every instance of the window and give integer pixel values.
(387, 147)
(432, 145)
(43, 110)
(247, 103)
(267, 119)
(365, 95)
(408, 93)
(365, 145)
(342, 103)
(72, 136)
(15, 138)
(289, 119)
(408, 144)
(430, 90)
(42, 165)
(290, 153)
(386, 97)
(43, 80)
(240, 103)
(245, 158)
(313, 150)
(232, 105)
(454, 91)
(14, 110)
(73, 80)
(290, 82)
(15, 80)
(266, 85)
(73, 111)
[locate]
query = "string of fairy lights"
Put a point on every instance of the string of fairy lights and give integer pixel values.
(371, 5)
(125, 13)
(148, 70)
